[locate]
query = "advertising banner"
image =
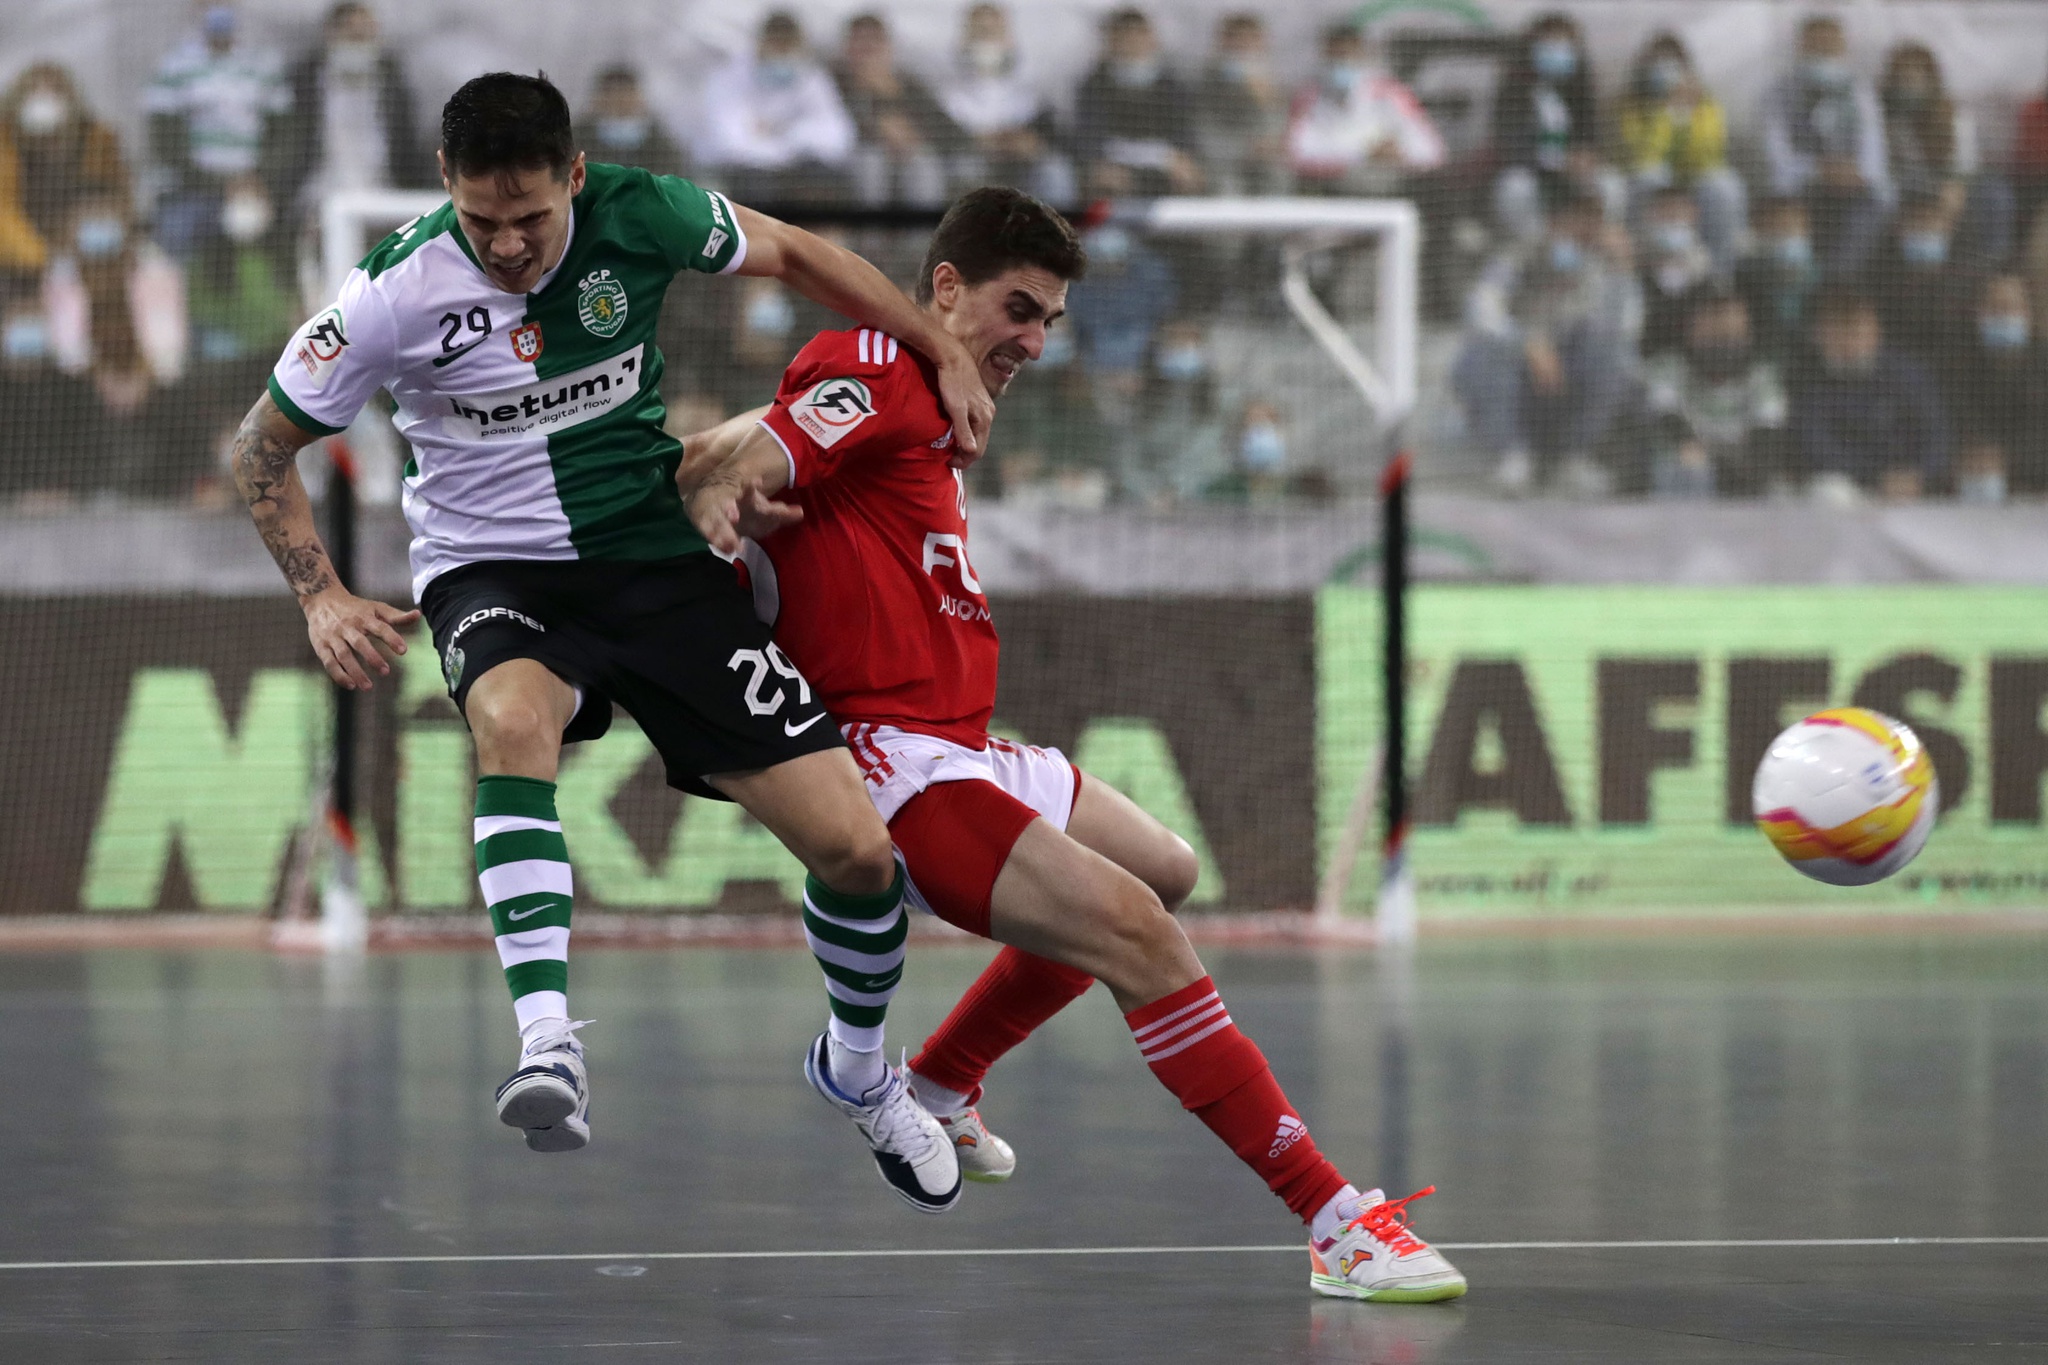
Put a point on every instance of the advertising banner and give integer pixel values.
(163, 754)
(1574, 750)
(1583, 749)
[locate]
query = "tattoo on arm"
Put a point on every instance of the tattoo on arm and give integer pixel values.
(263, 466)
(264, 472)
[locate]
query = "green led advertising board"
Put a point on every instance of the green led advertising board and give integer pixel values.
(1590, 749)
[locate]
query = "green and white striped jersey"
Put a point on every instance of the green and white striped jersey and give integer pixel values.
(535, 420)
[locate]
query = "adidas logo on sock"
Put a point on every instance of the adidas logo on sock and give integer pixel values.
(1291, 1131)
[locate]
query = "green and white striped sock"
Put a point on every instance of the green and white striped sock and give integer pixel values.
(858, 941)
(522, 863)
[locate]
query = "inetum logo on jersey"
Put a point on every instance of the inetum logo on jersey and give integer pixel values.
(832, 408)
(527, 342)
(565, 401)
(321, 342)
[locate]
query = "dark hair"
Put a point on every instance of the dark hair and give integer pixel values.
(993, 229)
(505, 122)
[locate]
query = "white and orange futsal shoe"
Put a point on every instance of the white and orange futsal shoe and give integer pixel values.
(1376, 1256)
(983, 1156)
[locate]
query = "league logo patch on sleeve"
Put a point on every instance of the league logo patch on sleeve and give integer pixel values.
(320, 345)
(832, 408)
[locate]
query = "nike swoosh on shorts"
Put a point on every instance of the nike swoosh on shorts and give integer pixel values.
(794, 730)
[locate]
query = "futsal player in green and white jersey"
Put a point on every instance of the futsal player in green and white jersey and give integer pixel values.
(514, 328)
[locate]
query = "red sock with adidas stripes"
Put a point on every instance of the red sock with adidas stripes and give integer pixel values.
(1221, 1077)
(1014, 995)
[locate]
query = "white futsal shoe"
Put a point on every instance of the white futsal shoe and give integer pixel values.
(1375, 1256)
(549, 1095)
(983, 1156)
(911, 1150)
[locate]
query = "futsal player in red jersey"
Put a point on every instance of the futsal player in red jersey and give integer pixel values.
(844, 503)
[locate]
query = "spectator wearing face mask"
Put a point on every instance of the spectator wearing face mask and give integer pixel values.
(44, 413)
(212, 109)
(1182, 450)
(996, 100)
(1778, 277)
(1131, 116)
(1546, 359)
(1129, 291)
(1673, 134)
(1674, 266)
(907, 141)
(242, 308)
(1999, 397)
(1241, 112)
(1931, 142)
(1355, 129)
(1824, 140)
(54, 155)
(619, 128)
(1117, 312)
(1867, 419)
(1924, 296)
(117, 317)
(1054, 447)
(773, 123)
(239, 297)
(1258, 473)
(1717, 410)
(350, 126)
(1546, 131)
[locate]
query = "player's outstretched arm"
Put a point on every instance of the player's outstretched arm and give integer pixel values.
(705, 450)
(847, 284)
(732, 494)
(347, 631)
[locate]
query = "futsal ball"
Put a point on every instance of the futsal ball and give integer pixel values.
(1846, 796)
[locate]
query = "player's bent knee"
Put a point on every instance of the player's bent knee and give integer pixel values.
(1138, 924)
(510, 725)
(862, 862)
(1174, 879)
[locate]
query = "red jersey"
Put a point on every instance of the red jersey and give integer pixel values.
(872, 594)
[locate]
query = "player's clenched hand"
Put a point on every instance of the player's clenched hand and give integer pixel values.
(714, 509)
(967, 403)
(354, 636)
(762, 516)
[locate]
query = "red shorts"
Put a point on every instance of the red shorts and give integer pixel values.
(955, 838)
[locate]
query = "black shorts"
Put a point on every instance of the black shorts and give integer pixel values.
(675, 642)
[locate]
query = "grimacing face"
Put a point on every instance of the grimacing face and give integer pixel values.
(517, 223)
(1002, 321)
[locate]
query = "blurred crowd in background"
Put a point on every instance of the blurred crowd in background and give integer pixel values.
(1625, 305)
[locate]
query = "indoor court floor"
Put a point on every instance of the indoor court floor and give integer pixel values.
(1664, 1149)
